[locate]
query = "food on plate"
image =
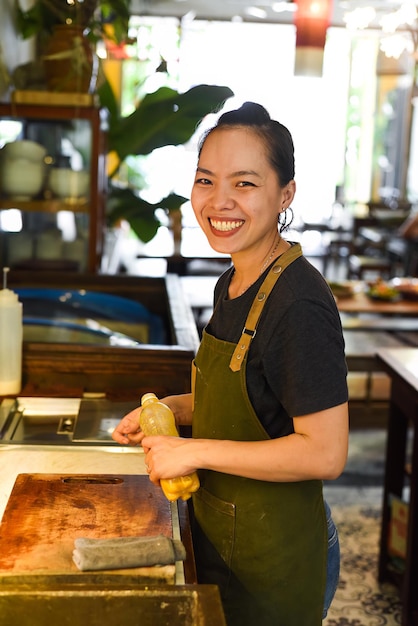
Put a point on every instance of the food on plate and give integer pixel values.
(341, 289)
(381, 290)
(407, 287)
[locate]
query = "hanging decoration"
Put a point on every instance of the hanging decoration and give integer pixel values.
(311, 18)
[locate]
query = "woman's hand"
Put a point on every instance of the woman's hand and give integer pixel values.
(166, 457)
(128, 431)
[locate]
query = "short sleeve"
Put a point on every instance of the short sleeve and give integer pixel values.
(305, 361)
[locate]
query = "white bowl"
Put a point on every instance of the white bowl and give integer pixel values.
(69, 184)
(25, 149)
(21, 179)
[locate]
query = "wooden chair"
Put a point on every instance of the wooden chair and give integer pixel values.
(367, 256)
(360, 265)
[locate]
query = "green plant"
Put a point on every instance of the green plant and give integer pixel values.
(165, 117)
(93, 15)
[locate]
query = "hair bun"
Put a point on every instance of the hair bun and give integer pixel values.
(254, 112)
(249, 114)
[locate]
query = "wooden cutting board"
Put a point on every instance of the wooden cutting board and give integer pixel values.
(47, 512)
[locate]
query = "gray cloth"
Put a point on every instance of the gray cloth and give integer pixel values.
(126, 552)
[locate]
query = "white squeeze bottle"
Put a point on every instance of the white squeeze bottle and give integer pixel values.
(156, 418)
(11, 338)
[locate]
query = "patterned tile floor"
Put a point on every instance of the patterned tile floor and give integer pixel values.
(360, 600)
(356, 500)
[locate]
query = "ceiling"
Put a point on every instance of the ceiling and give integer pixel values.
(246, 10)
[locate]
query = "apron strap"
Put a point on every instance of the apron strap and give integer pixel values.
(257, 306)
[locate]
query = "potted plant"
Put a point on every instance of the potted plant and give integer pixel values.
(67, 34)
(94, 16)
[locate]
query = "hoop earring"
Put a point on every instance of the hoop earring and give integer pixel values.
(285, 218)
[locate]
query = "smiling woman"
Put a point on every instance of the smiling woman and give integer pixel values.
(268, 407)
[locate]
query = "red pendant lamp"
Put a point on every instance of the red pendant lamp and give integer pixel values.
(311, 18)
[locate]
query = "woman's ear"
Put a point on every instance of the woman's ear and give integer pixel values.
(288, 194)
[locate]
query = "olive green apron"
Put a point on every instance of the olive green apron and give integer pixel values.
(271, 536)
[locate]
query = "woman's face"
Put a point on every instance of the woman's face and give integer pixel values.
(236, 195)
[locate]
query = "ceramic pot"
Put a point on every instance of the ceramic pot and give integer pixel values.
(49, 244)
(24, 149)
(20, 247)
(69, 184)
(21, 179)
(69, 61)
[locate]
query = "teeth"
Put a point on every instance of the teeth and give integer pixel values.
(226, 226)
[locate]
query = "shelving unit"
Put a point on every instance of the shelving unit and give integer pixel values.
(40, 123)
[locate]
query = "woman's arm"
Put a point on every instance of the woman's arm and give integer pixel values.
(181, 405)
(316, 450)
(128, 431)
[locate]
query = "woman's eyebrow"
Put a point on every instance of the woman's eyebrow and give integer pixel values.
(203, 170)
(245, 173)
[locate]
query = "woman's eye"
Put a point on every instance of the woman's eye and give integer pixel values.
(245, 183)
(202, 181)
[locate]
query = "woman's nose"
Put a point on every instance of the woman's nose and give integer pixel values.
(222, 197)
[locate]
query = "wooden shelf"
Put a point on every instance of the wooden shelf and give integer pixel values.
(48, 98)
(46, 206)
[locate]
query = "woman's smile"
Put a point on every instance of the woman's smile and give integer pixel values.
(225, 226)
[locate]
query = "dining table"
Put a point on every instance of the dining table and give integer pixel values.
(398, 561)
(394, 320)
(361, 302)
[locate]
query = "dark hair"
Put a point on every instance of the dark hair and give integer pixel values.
(276, 137)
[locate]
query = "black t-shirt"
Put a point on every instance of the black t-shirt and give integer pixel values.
(296, 363)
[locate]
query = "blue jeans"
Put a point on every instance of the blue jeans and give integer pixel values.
(333, 561)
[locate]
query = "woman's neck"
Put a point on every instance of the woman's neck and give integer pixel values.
(247, 271)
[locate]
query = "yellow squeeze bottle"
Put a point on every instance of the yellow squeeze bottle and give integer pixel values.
(156, 418)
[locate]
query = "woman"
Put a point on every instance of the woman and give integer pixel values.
(269, 403)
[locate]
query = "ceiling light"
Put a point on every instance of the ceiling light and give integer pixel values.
(188, 17)
(405, 15)
(360, 18)
(395, 45)
(281, 7)
(256, 12)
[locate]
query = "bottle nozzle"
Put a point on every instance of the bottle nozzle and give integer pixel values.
(147, 397)
(5, 272)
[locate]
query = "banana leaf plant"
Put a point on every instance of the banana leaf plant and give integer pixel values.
(165, 117)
